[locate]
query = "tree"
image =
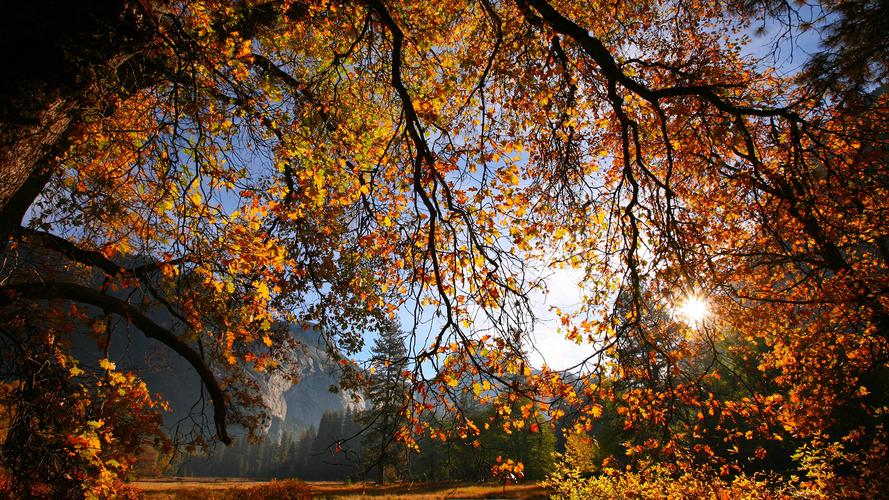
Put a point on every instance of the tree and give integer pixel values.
(72, 432)
(334, 162)
(852, 57)
(387, 396)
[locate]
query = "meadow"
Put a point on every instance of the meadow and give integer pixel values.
(194, 488)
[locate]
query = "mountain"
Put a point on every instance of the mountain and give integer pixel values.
(296, 407)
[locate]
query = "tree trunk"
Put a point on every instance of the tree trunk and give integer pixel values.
(28, 158)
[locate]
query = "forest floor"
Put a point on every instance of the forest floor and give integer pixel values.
(221, 488)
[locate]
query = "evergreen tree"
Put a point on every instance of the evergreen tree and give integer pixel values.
(352, 447)
(533, 445)
(301, 453)
(321, 453)
(386, 395)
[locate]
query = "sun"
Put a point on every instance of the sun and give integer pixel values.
(693, 311)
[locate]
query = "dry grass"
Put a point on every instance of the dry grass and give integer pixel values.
(229, 489)
(205, 489)
(202, 483)
(427, 491)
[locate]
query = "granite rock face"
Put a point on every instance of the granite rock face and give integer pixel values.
(296, 407)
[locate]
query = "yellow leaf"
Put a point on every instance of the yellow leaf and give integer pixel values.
(263, 290)
(477, 389)
(596, 411)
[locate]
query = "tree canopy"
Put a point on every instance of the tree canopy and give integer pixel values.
(244, 165)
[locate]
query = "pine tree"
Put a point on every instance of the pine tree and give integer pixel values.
(321, 456)
(302, 452)
(386, 397)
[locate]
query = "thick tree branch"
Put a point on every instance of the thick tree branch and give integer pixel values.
(424, 155)
(594, 48)
(109, 267)
(86, 295)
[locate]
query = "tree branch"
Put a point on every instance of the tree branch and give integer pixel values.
(97, 259)
(86, 295)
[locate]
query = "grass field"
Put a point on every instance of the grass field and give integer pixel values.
(209, 488)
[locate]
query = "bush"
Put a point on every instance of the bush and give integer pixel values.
(290, 489)
(656, 481)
